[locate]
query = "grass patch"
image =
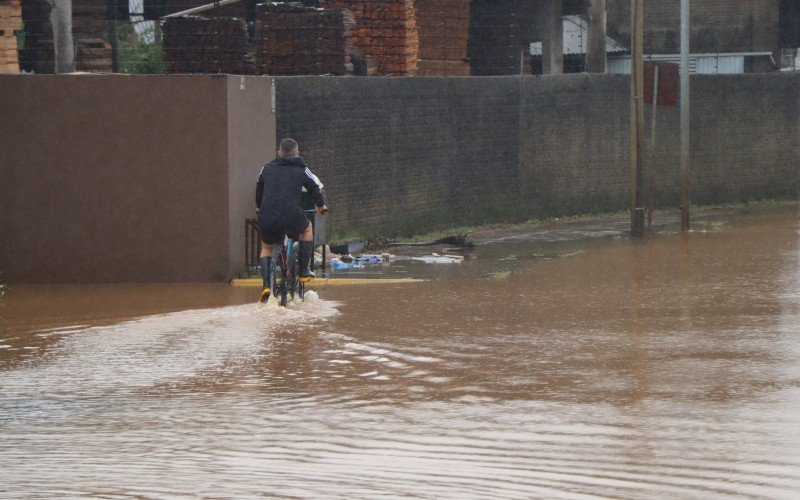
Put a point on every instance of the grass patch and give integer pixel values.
(432, 224)
(441, 233)
(500, 275)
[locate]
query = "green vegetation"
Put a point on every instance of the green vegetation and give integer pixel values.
(20, 34)
(500, 275)
(137, 56)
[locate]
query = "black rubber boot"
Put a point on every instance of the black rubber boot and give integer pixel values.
(266, 269)
(306, 254)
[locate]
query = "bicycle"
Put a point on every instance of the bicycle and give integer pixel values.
(285, 276)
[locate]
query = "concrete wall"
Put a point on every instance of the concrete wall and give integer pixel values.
(574, 152)
(410, 155)
(574, 155)
(405, 153)
(129, 178)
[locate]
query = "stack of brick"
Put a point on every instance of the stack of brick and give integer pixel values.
(386, 33)
(443, 35)
(10, 22)
(294, 40)
(194, 44)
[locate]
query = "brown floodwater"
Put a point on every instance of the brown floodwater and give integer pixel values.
(548, 365)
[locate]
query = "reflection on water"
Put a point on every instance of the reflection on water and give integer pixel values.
(667, 368)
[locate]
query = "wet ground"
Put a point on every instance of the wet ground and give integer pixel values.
(549, 365)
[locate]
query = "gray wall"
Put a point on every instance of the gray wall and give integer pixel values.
(405, 153)
(128, 178)
(413, 154)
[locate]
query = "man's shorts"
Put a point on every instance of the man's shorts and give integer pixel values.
(275, 228)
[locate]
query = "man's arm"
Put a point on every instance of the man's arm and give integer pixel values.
(259, 189)
(314, 187)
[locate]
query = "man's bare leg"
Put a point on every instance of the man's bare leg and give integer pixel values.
(306, 253)
(308, 234)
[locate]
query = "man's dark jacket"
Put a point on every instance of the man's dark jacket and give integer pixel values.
(280, 187)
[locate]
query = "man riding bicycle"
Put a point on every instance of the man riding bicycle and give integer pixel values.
(278, 194)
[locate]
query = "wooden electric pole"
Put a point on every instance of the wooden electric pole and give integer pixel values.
(686, 159)
(61, 20)
(596, 46)
(637, 118)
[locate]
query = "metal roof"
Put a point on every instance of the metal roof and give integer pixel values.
(576, 39)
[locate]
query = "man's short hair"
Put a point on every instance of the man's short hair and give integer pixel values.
(288, 145)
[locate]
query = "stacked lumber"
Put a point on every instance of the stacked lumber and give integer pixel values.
(443, 34)
(194, 44)
(10, 21)
(386, 33)
(238, 10)
(93, 50)
(38, 55)
(291, 39)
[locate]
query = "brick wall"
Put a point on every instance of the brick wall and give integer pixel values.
(410, 155)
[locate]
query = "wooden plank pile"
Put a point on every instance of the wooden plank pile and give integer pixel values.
(238, 10)
(10, 21)
(38, 55)
(386, 33)
(194, 44)
(291, 39)
(443, 35)
(93, 51)
(90, 25)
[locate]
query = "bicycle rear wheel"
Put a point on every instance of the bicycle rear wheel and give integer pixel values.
(280, 277)
(298, 288)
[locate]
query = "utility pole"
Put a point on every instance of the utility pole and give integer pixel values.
(651, 175)
(686, 160)
(596, 47)
(553, 43)
(637, 118)
(61, 20)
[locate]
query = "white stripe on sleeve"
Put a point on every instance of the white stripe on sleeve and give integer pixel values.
(314, 178)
